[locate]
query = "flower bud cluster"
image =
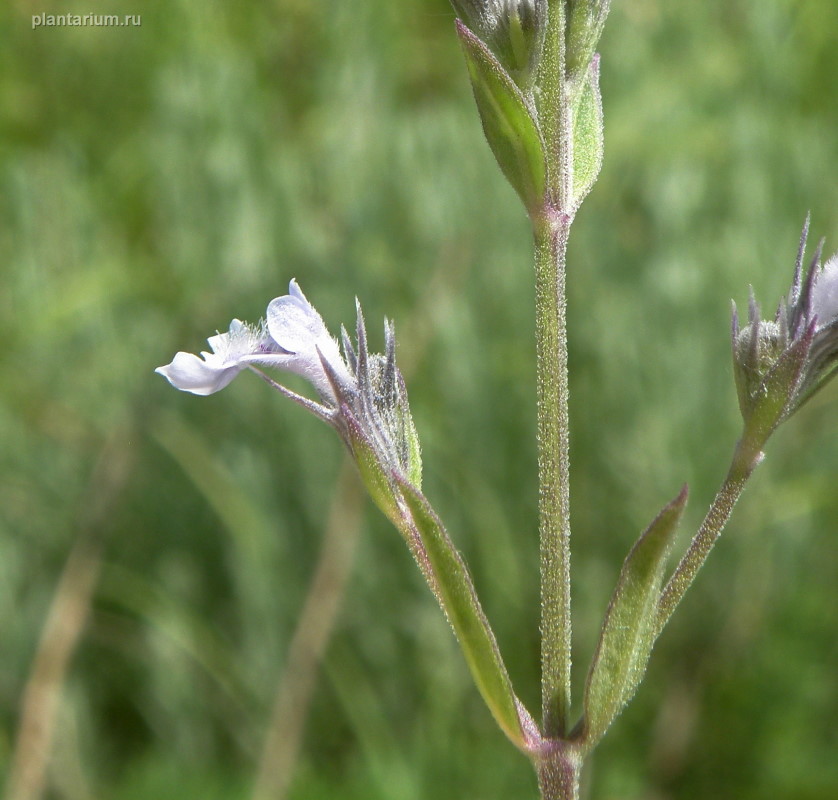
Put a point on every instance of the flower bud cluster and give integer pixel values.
(375, 407)
(781, 363)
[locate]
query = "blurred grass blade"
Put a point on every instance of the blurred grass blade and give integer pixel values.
(588, 138)
(245, 521)
(628, 632)
(509, 126)
(386, 756)
(195, 637)
(456, 595)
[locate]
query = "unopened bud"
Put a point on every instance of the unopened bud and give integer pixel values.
(781, 363)
(512, 29)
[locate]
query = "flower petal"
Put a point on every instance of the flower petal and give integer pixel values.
(293, 322)
(204, 376)
(231, 352)
(300, 333)
(825, 293)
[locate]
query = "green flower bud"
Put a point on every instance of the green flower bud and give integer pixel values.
(781, 363)
(512, 29)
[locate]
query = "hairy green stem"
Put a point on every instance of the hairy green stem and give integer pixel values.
(558, 769)
(553, 471)
(745, 458)
(551, 229)
(554, 110)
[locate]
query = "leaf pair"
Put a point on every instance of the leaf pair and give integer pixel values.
(626, 640)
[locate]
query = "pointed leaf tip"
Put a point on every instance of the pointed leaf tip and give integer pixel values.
(628, 631)
(588, 136)
(508, 123)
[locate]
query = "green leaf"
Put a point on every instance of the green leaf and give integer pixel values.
(588, 139)
(628, 632)
(508, 123)
(455, 592)
(586, 19)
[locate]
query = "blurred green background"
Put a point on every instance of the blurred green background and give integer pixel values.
(156, 549)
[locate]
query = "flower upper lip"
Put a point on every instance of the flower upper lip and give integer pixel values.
(299, 331)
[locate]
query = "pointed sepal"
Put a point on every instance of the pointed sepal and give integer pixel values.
(778, 391)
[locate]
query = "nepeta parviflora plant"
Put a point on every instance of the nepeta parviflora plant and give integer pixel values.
(534, 71)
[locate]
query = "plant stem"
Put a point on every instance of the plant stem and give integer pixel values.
(554, 110)
(558, 769)
(553, 471)
(745, 459)
(551, 229)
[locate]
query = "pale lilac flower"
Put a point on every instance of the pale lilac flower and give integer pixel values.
(294, 339)
(362, 395)
(825, 293)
